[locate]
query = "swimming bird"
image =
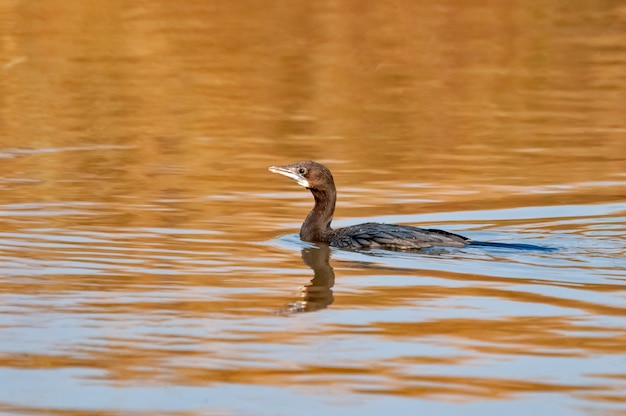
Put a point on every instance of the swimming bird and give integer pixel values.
(316, 227)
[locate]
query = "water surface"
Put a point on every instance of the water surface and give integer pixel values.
(150, 263)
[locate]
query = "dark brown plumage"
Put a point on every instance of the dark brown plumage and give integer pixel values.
(316, 227)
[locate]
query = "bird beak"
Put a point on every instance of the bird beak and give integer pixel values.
(291, 172)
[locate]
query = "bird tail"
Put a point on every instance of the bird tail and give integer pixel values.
(513, 246)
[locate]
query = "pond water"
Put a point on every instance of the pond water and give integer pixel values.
(150, 264)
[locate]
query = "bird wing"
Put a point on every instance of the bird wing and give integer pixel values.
(399, 237)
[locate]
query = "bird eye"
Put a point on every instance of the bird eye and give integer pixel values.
(302, 171)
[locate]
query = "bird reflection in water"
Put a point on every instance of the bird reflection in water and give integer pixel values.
(318, 293)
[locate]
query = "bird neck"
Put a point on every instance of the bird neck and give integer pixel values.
(316, 226)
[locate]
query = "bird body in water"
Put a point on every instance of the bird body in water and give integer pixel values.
(316, 227)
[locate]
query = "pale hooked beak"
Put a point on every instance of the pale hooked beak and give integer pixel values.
(291, 173)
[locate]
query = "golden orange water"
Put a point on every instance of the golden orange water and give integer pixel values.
(150, 263)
